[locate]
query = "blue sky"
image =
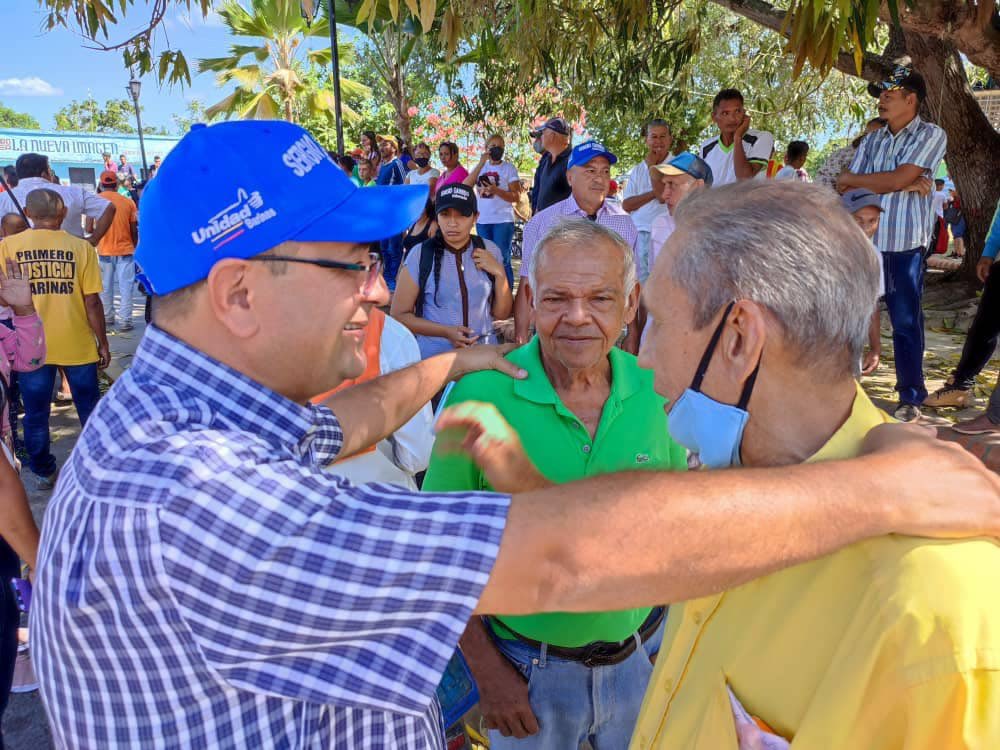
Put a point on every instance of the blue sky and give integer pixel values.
(42, 71)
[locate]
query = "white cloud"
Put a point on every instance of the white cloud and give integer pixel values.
(27, 87)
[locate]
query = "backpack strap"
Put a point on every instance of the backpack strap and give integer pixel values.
(427, 249)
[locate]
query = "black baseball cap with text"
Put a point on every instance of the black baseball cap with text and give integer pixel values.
(458, 196)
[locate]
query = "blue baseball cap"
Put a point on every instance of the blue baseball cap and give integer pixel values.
(687, 163)
(583, 153)
(858, 198)
(238, 189)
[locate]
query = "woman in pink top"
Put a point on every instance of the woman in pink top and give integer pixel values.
(24, 345)
(453, 171)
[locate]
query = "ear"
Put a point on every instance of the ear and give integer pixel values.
(632, 303)
(743, 340)
(232, 298)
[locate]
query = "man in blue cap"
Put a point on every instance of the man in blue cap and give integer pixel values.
(680, 176)
(589, 175)
(205, 581)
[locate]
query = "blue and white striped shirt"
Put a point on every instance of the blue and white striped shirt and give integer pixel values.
(907, 218)
(204, 583)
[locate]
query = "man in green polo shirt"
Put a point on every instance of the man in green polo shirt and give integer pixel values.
(586, 408)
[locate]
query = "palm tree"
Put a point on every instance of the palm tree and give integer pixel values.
(270, 74)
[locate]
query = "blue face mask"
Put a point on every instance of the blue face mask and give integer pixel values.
(705, 426)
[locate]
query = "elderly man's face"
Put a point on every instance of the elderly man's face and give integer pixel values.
(580, 304)
(658, 140)
(672, 347)
(676, 187)
(590, 182)
(868, 219)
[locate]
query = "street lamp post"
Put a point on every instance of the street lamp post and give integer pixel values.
(133, 89)
(308, 8)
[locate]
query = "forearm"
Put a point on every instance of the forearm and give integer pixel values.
(471, 178)
(17, 525)
(372, 411)
(741, 166)
(478, 649)
(95, 316)
(651, 537)
(102, 225)
(503, 300)
(878, 182)
(422, 326)
(875, 330)
(522, 312)
(635, 202)
(508, 195)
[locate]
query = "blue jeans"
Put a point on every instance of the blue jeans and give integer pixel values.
(574, 703)
(501, 235)
(36, 392)
(120, 269)
(392, 256)
(904, 288)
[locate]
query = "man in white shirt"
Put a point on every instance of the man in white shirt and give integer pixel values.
(34, 172)
(642, 197)
(737, 153)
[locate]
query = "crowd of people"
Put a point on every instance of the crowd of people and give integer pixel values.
(266, 537)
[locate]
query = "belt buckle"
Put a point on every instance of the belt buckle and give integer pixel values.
(596, 655)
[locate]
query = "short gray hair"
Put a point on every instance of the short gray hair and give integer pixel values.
(43, 203)
(790, 247)
(584, 234)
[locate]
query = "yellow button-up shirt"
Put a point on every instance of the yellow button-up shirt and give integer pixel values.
(889, 643)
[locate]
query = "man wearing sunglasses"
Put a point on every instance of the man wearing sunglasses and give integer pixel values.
(206, 580)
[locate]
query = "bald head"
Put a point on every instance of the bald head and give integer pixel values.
(43, 205)
(11, 224)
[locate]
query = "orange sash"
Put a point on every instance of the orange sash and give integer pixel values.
(373, 348)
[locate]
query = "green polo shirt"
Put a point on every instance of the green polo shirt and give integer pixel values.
(632, 434)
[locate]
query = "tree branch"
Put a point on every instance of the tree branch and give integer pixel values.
(764, 14)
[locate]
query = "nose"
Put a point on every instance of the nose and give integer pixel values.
(576, 313)
(378, 295)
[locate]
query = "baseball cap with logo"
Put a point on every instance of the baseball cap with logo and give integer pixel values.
(855, 200)
(270, 181)
(902, 77)
(459, 196)
(687, 163)
(109, 178)
(590, 150)
(555, 124)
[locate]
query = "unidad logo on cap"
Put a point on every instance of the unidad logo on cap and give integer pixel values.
(234, 220)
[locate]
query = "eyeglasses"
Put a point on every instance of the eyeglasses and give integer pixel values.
(372, 271)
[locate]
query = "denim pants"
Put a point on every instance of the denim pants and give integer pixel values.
(501, 235)
(904, 288)
(643, 246)
(392, 256)
(36, 392)
(120, 269)
(574, 703)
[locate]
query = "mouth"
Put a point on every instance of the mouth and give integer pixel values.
(355, 330)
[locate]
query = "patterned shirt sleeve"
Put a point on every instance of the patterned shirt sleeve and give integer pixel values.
(528, 242)
(861, 163)
(295, 583)
(928, 148)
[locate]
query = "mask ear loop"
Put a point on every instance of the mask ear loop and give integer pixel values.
(706, 358)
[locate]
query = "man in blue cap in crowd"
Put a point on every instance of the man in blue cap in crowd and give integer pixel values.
(205, 581)
(589, 175)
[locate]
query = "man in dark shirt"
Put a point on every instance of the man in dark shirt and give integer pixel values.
(550, 185)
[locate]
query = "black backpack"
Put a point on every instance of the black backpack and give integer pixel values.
(427, 250)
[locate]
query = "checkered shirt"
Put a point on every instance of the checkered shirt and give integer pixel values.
(907, 218)
(610, 215)
(205, 583)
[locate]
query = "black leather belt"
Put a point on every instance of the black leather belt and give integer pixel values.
(598, 653)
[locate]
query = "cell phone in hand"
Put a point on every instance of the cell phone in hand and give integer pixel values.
(22, 593)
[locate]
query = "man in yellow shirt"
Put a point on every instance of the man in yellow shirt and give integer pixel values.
(759, 323)
(65, 286)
